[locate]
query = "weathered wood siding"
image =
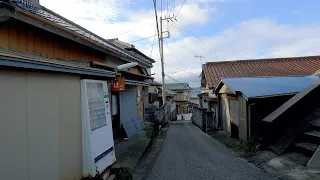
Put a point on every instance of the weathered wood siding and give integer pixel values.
(243, 123)
(20, 36)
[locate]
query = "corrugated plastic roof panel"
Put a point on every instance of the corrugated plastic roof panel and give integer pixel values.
(268, 86)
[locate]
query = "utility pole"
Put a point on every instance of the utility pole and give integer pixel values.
(200, 57)
(162, 65)
(161, 56)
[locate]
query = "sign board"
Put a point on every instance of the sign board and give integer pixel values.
(118, 84)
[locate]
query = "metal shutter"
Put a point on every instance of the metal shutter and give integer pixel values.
(129, 117)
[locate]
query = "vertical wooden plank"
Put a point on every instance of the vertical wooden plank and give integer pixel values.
(68, 51)
(76, 52)
(62, 49)
(30, 41)
(50, 47)
(58, 49)
(44, 45)
(37, 44)
(13, 38)
(22, 41)
(4, 34)
(55, 48)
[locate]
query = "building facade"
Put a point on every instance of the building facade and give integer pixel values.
(44, 60)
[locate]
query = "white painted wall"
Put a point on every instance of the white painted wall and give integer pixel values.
(40, 132)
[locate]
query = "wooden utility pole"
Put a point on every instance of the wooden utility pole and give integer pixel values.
(162, 65)
(162, 58)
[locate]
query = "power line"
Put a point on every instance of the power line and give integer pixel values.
(175, 79)
(132, 30)
(210, 50)
(161, 8)
(180, 82)
(143, 39)
(197, 42)
(167, 7)
(184, 47)
(154, 38)
(181, 8)
(200, 57)
(181, 70)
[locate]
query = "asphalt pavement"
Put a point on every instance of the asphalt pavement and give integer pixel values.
(190, 154)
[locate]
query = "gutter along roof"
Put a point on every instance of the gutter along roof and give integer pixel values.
(46, 16)
(123, 72)
(12, 58)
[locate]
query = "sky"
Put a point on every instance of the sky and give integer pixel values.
(217, 30)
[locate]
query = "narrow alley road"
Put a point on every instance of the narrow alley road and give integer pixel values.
(189, 154)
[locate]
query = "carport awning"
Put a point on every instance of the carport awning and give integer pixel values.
(11, 58)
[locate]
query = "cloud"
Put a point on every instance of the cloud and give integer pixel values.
(251, 39)
(112, 18)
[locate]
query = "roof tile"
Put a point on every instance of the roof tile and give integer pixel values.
(292, 66)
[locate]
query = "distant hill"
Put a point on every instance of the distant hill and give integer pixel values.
(195, 91)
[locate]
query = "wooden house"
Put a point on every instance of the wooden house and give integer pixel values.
(44, 58)
(244, 102)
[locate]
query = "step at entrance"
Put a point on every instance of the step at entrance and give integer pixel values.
(314, 133)
(307, 146)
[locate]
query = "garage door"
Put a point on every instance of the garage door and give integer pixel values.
(129, 117)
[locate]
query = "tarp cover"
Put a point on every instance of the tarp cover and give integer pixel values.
(267, 86)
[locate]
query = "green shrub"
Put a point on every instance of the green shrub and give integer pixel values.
(124, 174)
(250, 148)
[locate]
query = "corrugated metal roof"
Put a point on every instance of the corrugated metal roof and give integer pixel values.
(178, 86)
(268, 86)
